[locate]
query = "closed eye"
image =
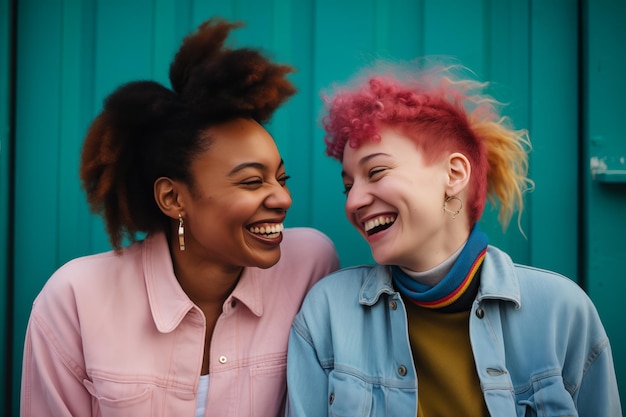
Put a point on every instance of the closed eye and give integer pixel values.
(375, 171)
(255, 182)
(252, 182)
(283, 180)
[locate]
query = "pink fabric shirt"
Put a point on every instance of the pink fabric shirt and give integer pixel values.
(115, 335)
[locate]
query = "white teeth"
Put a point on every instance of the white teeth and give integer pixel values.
(370, 224)
(268, 231)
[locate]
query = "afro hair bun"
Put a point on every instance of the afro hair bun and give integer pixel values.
(222, 82)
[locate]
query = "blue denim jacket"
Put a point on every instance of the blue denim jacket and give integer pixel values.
(539, 346)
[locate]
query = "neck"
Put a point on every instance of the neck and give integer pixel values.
(436, 274)
(205, 283)
(208, 285)
(438, 247)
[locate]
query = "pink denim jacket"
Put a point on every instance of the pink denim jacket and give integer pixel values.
(115, 335)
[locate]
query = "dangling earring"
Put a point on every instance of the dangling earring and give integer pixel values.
(452, 213)
(181, 232)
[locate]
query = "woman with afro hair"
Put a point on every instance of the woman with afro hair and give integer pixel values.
(444, 324)
(192, 317)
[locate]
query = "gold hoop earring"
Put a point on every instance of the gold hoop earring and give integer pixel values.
(452, 213)
(181, 232)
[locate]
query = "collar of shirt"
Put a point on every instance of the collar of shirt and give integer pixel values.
(169, 303)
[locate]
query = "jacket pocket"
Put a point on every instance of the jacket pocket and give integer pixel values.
(348, 396)
(548, 398)
(114, 399)
(268, 389)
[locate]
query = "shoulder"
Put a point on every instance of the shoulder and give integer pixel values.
(531, 287)
(304, 239)
(559, 307)
(531, 281)
(343, 284)
(89, 276)
(306, 256)
(89, 267)
(335, 301)
(557, 296)
(546, 299)
(308, 245)
(553, 294)
(549, 284)
(349, 276)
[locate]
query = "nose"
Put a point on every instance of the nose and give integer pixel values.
(279, 197)
(357, 198)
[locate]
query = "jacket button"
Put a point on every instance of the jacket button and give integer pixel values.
(402, 370)
(393, 304)
(480, 313)
(331, 398)
(223, 359)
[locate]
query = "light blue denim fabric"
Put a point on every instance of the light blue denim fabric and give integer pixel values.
(539, 346)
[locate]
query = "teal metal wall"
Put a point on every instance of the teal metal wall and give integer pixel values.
(72, 53)
(603, 169)
(5, 181)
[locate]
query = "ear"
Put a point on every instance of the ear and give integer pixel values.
(167, 197)
(459, 172)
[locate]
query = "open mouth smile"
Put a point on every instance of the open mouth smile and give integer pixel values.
(269, 231)
(378, 224)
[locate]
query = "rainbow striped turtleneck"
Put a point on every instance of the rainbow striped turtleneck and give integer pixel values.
(456, 291)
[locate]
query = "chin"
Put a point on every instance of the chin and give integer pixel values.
(268, 261)
(382, 259)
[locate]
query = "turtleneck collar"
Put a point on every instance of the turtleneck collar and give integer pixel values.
(452, 285)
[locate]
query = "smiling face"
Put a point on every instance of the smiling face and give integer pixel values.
(235, 210)
(395, 200)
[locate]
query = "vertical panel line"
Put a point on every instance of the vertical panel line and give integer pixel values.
(582, 258)
(313, 57)
(530, 201)
(10, 255)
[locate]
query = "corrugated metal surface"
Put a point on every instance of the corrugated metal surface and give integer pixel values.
(603, 169)
(5, 180)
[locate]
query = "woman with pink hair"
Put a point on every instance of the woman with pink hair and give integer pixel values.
(444, 324)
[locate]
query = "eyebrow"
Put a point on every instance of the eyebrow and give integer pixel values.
(256, 165)
(364, 160)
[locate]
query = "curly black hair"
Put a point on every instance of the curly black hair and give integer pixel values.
(146, 130)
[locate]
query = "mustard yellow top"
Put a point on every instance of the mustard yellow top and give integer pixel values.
(448, 384)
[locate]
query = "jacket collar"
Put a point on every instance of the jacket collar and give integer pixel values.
(498, 280)
(377, 282)
(249, 291)
(168, 302)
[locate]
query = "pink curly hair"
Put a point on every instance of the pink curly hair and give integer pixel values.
(442, 113)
